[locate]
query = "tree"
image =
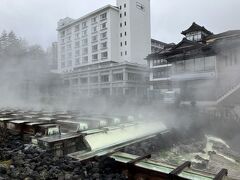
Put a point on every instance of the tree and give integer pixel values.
(3, 42)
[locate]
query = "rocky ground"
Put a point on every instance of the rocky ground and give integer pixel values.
(19, 161)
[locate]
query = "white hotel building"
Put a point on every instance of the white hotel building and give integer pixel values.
(110, 33)
(103, 52)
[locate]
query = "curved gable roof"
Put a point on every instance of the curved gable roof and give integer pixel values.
(195, 27)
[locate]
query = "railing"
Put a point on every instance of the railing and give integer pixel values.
(230, 87)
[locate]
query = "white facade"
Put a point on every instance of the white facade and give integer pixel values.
(108, 34)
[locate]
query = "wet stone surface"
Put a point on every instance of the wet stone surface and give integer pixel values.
(19, 161)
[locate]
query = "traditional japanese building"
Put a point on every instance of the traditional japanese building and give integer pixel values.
(203, 67)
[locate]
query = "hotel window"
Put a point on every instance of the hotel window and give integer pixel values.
(84, 42)
(62, 33)
(104, 45)
(84, 33)
(77, 53)
(85, 60)
(84, 80)
(94, 57)
(77, 61)
(120, 7)
(118, 77)
(125, 33)
(75, 81)
(85, 51)
(77, 36)
(77, 28)
(94, 48)
(94, 29)
(84, 24)
(125, 23)
(94, 79)
(125, 52)
(103, 35)
(94, 38)
(103, 16)
(120, 24)
(121, 53)
(120, 15)
(121, 44)
(125, 5)
(69, 31)
(69, 38)
(104, 55)
(103, 26)
(125, 13)
(105, 78)
(120, 34)
(125, 43)
(94, 20)
(77, 44)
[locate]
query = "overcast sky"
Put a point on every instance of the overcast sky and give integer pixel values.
(36, 20)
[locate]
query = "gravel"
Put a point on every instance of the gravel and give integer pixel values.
(19, 161)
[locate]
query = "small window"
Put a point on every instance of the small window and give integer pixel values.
(120, 24)
(120, 34)
(103, 35)
(104, 45)
(125, 13)
(77, 28)
(84, 33)
(125, 23)
(94, 29)
(125, 33)
(84, 42)
(95, 57)
(125, 43)
(103, 16)
(120, 7)
(85, 51)
(121, 53)
(125, 52)
(105, 78)
(120, 15)
(94, 48)
(104, 25)
(104, 55)
(84, 24)
(77, 36)
(94, 38)
(62, 33)
(121, 44)
(125, 5)
(94, 19)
